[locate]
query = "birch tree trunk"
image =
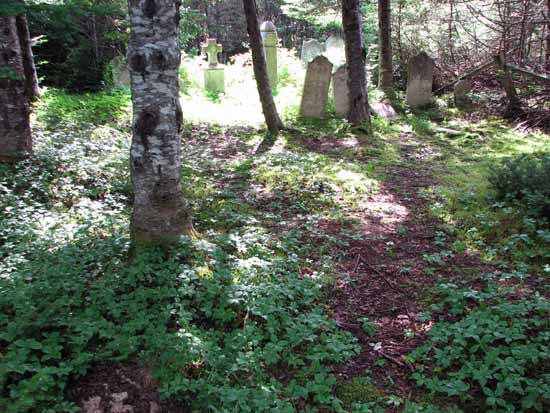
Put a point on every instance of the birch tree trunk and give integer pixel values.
(160, 213)
(385, 71)
(31, 78)
(274, 123)
(355, 56)
(15, 130)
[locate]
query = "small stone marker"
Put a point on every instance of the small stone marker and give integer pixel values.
(271, 41)
(384, 110)
(316, 86)
(340, 91)
(335, 50)
(120, 72)
(420, 80)
(461, 90)
(311, 49)
(214, 76)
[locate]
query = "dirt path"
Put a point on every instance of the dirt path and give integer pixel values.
(386, 276)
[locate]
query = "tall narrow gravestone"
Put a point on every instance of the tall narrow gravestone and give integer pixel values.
(214, 77)
(271, 41)
(420, 80)
(311, 49)
(316, 86)
(340, 92)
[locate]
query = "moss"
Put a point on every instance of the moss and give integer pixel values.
(358, 390)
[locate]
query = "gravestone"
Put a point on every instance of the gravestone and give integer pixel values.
(340, 92)
(120, 72)
(316, 86)
(270, 41)
(384, 110)
(420, 80)
(214, 75)
(335, 50)
(311, 49)
(461, 90)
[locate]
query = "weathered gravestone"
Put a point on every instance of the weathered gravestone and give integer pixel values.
(120, 72)
(335, 50)
(340, 92)
(271, 41)
(461, 90)
(420, 80)
(383, 110)
(311, 49)
(214, 76)
(316, 86)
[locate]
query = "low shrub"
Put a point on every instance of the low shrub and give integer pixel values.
(524, 179)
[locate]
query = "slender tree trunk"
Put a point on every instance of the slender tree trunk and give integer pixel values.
(274, 123)
(400, 56)
(15, 130)
(385, 77)
(355, 56)
(450, 43)
(31, 78)
(523, 40)
(160, 213)
(548, 34)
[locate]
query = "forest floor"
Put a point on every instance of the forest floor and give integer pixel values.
(333, 272)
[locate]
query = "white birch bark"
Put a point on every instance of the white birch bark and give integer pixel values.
(160, 214)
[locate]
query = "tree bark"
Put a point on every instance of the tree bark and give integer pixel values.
(450, 42)
(15, 130)
(160, 213)
(355, 56)
(274, 123)
(385, 66)
(548, 34)
(31, 78)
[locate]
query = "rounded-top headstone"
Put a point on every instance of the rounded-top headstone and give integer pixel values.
(335, 50)
(316, 86)
(270, 42)
(268, 26)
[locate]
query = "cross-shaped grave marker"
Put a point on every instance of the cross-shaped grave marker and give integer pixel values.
(212, 48)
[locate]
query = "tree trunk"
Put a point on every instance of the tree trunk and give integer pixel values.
(450, 42)
(385, 76)
(160, 213)
(15, 130)
(355, 56)
(31, 78)
(274, 123)
(548, 34)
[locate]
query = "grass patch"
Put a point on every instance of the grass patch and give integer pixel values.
(111, 107)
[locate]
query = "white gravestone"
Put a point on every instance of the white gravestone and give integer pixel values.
(311, 49)
(335, 50)
(214, 76)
